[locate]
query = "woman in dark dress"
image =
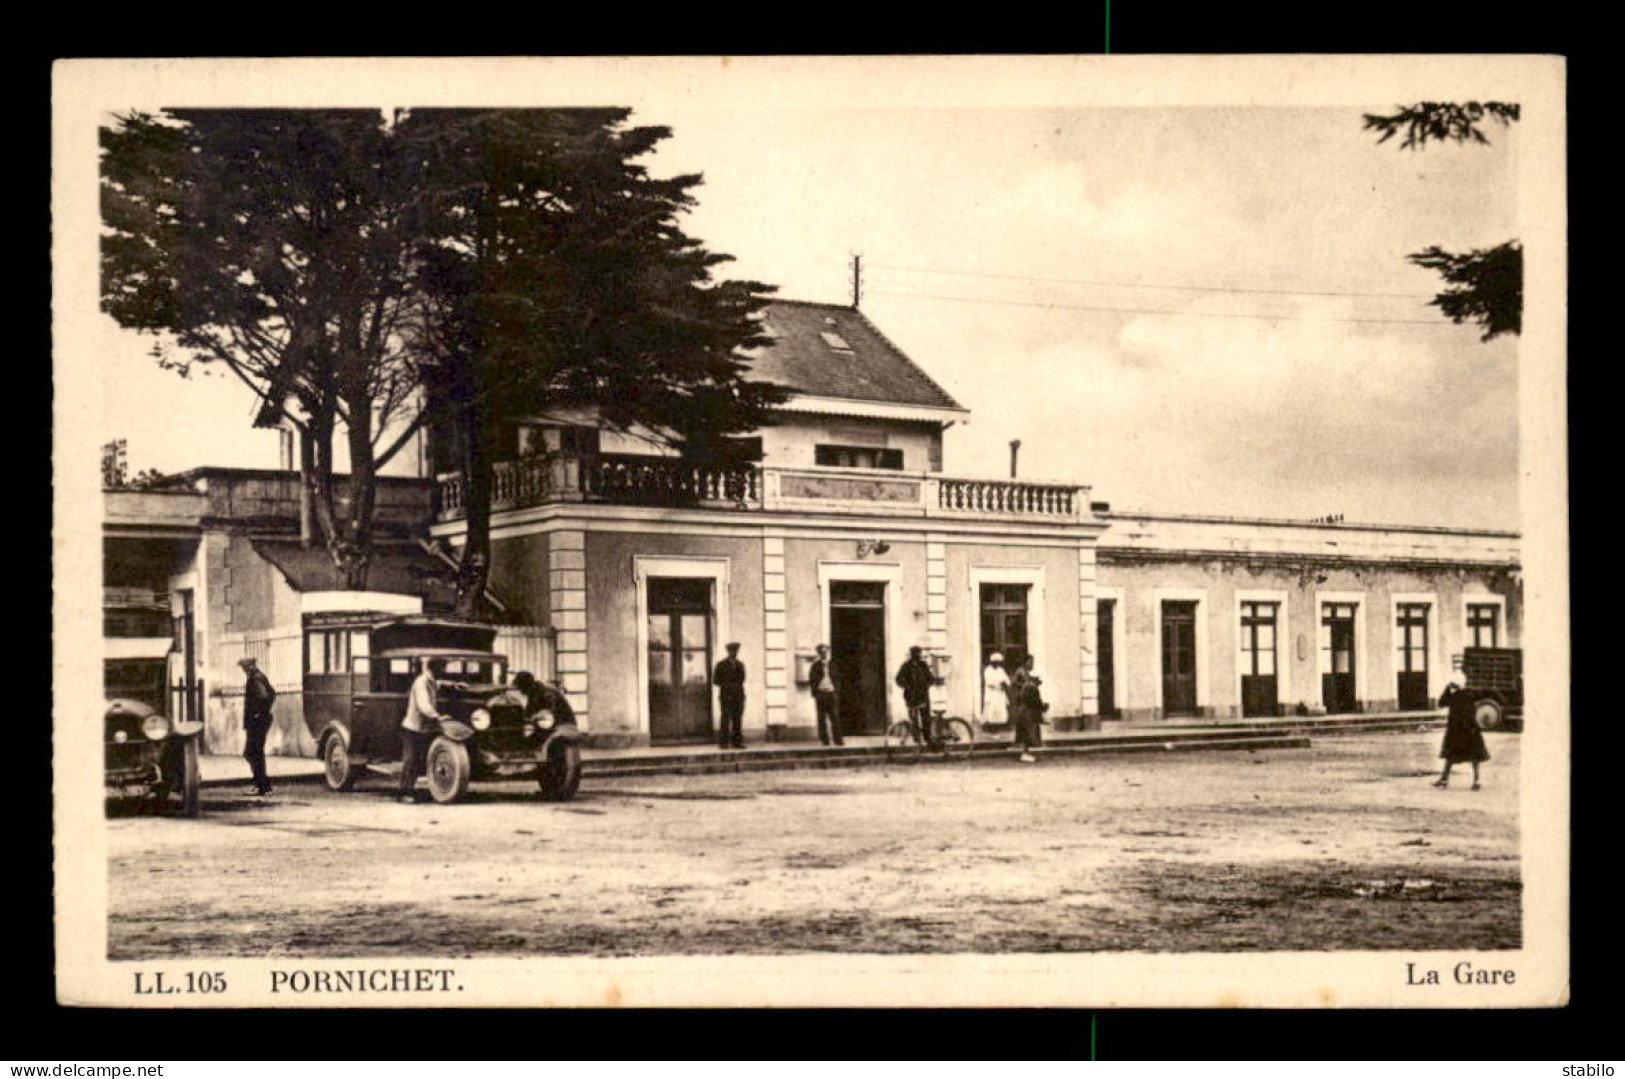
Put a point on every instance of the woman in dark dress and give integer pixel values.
(1463, 741)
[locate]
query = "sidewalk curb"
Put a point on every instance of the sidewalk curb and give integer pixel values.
(1275, 733)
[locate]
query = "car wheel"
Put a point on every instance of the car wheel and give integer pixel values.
(448, 770)
(336, 766)
(1488, 714)
(191, 779)
(561, 774)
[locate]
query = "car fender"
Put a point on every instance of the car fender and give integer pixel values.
(186, 728)
(568, 734)
(332, 730)
(456, 730)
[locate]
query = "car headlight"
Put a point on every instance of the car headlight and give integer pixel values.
(480, 720)
(155, 727)
(121, 737)
(530, 730)
(545, 719)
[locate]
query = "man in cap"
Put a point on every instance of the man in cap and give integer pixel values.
(914, 676)
(821, 680)
(729, 678)
(258, 696)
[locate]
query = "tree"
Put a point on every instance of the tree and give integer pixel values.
(274, 243)
(554, 277)
(1483, 286)
(1486, 286)
(459, 267)
(1434, 121)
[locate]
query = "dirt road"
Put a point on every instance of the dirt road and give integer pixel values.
(1341, 846)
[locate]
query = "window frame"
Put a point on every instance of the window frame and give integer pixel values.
(875, 458)
(1471, 626)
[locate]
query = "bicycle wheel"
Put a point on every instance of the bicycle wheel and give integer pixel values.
(958, 739)
(901, 744)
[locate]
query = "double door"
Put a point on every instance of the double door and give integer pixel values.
(1260, 681)
(1338, 642)
(857, 630)
(1179, 657)
(680, 652)
(1412, 661)
(1106, 672)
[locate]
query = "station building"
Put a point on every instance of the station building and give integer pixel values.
(621, 573)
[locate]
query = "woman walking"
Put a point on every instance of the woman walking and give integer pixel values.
(1463, 741)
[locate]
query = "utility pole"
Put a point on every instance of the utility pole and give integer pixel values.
(857, 280)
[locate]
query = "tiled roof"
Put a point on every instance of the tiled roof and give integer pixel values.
(806, 357)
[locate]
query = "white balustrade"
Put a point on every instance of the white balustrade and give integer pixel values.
(672, 481)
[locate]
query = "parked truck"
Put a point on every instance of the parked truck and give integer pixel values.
(1494, 676)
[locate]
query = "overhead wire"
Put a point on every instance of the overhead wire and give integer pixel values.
(1158, 311)
(1149, 285)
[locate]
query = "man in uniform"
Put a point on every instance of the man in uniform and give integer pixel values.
(821, 681)
(258, 696)
(729, 678)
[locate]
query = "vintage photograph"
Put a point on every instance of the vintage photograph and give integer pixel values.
(816, 531)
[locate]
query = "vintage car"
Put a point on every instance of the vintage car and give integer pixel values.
(355, 697)
(151, 756)
(1494, 678)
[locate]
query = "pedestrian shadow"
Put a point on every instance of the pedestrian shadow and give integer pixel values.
(138, 807)
(248, 804)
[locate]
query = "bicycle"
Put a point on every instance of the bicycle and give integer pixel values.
(952, 739)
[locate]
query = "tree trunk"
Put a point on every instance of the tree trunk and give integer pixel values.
(320, 481)
(307, 492)
(354, 552)
(473, 568)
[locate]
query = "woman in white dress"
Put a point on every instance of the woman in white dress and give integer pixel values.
(995, 691)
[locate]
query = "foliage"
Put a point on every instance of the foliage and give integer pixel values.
(1484, 286)
(459, 267)
(1433, 121)
(273, 242)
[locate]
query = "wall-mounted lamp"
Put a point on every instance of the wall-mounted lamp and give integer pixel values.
(869, 547)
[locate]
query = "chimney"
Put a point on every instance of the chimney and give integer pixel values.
(1015, 448)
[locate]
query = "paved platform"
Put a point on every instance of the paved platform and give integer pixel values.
(1181, 735)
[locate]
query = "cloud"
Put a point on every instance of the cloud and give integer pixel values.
(1264, 418)
(1067, 204)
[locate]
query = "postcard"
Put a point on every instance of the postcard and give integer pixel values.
(850, 531)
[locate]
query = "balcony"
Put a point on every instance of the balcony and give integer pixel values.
(631, 480)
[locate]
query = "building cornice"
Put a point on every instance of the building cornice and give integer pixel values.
(1128, 555)
(811, 404)
(1125, 517)
(589, 516)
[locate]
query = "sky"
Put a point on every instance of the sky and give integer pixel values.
(1089, 281)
